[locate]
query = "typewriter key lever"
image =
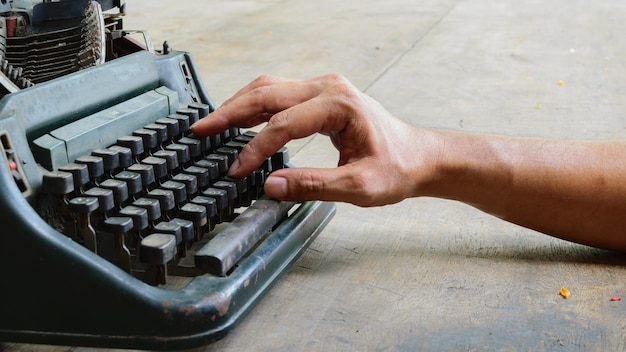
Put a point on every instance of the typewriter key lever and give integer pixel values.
(156, 250)
(83, 207)
(119, 226)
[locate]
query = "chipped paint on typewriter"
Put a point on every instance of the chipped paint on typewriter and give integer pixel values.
(120, 227)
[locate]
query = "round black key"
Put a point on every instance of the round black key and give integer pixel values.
(173, 128)
(179, 189)
(209, 203)
(58, 183)
(165, 198)
(194, 213)
(258, 179)
(152, 206)
(182, 152)
(220, 196)
(211, 166)
(194, 145)
(139, 216)
(234, 132)
(190, 181)
(110, 158)
(183, 122)
(225, 136)
(244, 138)
(161, 131)
(134, 143)
(95, 165)
(158, 249)
(235, 145)
(192, 114)
(171, 158)
(231, 153)
(146, 172)
(201, 174)
(203, 109)
(159, 166)
(241, 184)
(79, 172)
(125, 155)
(105, 198)
(280, 158)
(133, 181)
(216, 141)
(150, 140)
(229, 187)
(83, 204)
(118, 224)
(119, 189)
(186, 228)
(221, 160)
(267, 165)
(205, 142)
(170, 228)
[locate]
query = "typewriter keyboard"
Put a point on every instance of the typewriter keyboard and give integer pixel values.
(157, 203)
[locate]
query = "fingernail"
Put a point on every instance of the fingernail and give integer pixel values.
(233, 168)
(276, 186)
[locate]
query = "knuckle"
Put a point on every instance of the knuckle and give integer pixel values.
(335, 78)
(265, 79)
(279, 123)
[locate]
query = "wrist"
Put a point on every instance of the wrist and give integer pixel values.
(464, 164)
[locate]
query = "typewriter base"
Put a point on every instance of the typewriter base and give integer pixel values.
(116, 310)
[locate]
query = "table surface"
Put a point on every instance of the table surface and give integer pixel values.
(426, 274)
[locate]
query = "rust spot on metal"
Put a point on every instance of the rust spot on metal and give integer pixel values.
(221, 302)
(187, 311)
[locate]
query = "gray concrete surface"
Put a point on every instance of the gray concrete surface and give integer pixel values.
(427, 274)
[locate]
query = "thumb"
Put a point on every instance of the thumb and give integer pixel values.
(302, 184)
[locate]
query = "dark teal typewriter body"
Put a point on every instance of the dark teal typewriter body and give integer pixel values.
(75, 274)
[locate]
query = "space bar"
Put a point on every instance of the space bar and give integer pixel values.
(220, 254)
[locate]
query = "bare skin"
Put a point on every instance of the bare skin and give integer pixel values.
(574, 190)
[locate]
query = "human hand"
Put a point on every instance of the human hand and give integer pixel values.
(381, 159)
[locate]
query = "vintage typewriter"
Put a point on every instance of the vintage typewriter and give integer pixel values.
(119, 226)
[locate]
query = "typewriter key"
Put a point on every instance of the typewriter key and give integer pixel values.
(119, 226)
(110, 159)
(83, 207)
(193, 114)
(157, 250)
(80, 174)
(152, 206)
(203, 109)
(211, 209)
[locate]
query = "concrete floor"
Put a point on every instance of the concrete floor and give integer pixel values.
(426, 274)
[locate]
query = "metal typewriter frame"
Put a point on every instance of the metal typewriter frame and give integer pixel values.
(61, 293)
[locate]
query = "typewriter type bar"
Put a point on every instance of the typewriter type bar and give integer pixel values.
(120, 227)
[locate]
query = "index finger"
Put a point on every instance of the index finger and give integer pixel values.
(255, 104)
(321, 113)
(259, 101)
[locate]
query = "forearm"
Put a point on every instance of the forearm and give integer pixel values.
(572, 190)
